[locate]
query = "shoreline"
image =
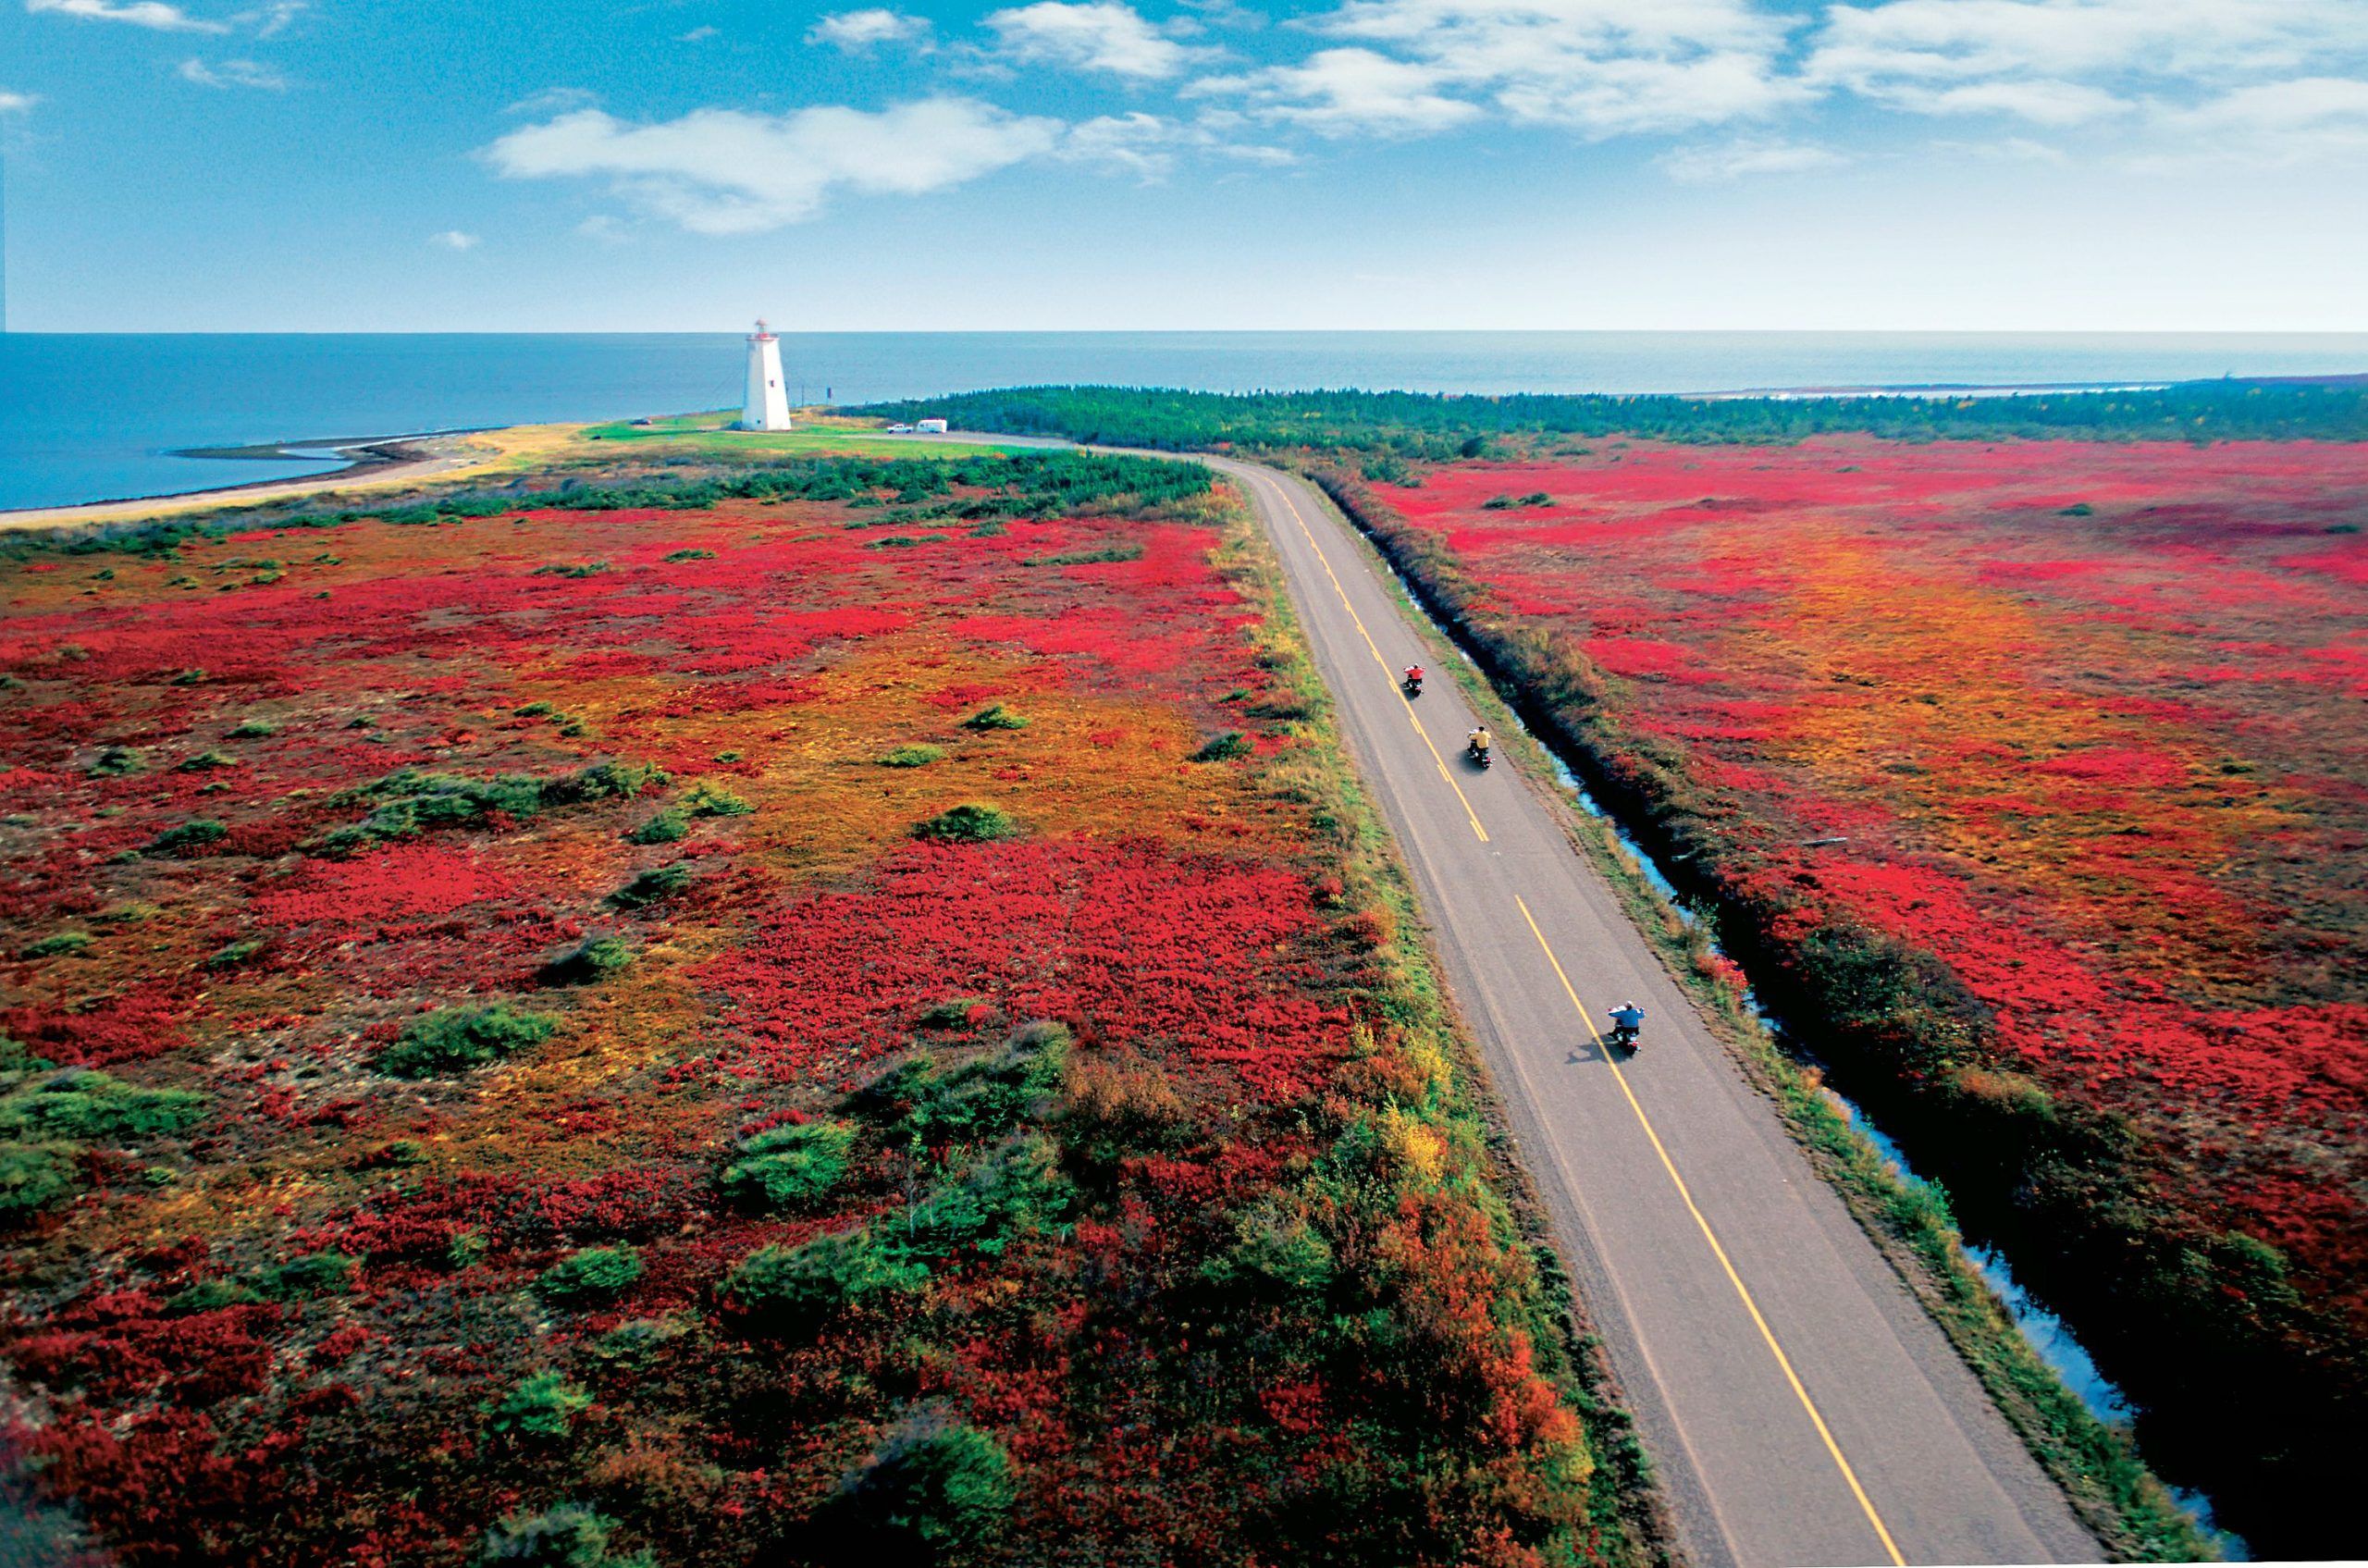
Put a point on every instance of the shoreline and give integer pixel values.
(377, 462)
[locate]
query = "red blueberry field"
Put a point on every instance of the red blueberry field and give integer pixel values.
(851, 1021)
(2071, 735)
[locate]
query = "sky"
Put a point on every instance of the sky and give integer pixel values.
(680, 165)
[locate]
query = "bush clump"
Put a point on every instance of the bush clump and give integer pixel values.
(706, 800)
(569, 1536)
(784, 1167)
(918, 753)
(408, 802)
(255, 729)
(231, 954)
(315, 1273)
(678, 557)
(796, 1289)
(650, 886)
(57, 944)
(596, 959)
(188, 835)
(667, 827)
(32, 1178)
(592, 1274)
(935, 1490)
(544, 1406)
(83, 1104)
(994, 716)
(1224, 747)
(117, 762)
(459, 1038)
(970, 823)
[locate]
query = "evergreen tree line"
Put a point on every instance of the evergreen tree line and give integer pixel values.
(1439, 426)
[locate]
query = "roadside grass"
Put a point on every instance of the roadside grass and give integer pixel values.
(1625, 1503)
(2127, 1507)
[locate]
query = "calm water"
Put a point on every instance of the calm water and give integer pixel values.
(91, 417)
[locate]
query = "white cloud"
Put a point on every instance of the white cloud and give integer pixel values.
(1601, 67)
(233, 73)
(696, 35)
(16, 103)
(2281, 122)
(2040, 100)
(1147, 145)
(727, 171)
(1102, 35)
(138, 13)
(854, 31)
(1739, 159)
(275, 18)
(1347, 92)
(554, 100)
(454, 240)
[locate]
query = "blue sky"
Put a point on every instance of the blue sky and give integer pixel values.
(402, 165)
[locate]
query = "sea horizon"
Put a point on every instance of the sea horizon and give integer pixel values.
(75, 428)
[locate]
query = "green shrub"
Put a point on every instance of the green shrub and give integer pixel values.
(969, 823)
(1224, 747)
(544, 1406)
(235, 953)
(915, 755)
(117, 762)
(665, 828)
(994, 716)
(632, 1345)
(32, 1178)
(979, 1101)
(83, 1104)
(533, 711)
(650, 886)
(408, 802)
(196, 830)
(569, 1536)
(935, 1489)
(573, 569)
(212, 1295)
(1015, 1191)
(592, 1274)
(1127, 550)
(1276, 1249)
(255, 729)
(460, 1038)
(782, 1166)
(206, 762)
(57, 944)
(678, 557)
(190, 678)
(316, 1274)
(706, 800)
(794, 1289)
(953, 1013)
(596, 959)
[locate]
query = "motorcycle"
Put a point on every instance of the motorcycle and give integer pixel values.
(1623, 1037)
(1412, 684)
(1480, 755)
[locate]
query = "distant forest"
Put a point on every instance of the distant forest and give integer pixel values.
(1422, 425)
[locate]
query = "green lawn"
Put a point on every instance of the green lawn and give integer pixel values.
(711, 435)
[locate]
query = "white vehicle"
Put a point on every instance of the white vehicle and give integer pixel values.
(900, 429)
(931, 426)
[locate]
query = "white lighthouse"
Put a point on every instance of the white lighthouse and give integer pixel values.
(767, 403)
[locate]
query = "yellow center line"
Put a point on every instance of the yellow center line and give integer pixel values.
(1716, 1250)
(1283, 495)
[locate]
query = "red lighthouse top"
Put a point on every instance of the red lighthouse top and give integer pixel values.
(762, 335)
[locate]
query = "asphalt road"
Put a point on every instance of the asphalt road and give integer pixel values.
(1799, 1406)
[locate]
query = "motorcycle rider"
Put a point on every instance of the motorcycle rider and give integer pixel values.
(1414, 677)
(1479, 740)
(1627, 1022)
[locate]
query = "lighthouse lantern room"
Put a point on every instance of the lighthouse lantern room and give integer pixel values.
(768, 402)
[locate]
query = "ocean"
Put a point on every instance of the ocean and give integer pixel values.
(90, 417)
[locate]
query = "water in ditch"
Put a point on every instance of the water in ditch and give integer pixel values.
(2047, 1334)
